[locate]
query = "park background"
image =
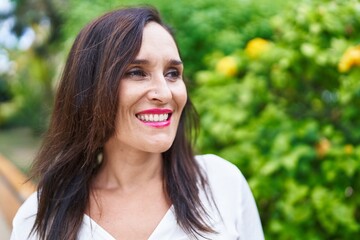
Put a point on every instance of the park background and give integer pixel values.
(276, 84)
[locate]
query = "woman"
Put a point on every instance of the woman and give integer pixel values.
(116, 162)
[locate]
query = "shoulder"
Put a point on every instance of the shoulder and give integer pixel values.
(213, 160)
(233, 198)
(217, 168)
(25, 217)
(27, 210)
(227, 183)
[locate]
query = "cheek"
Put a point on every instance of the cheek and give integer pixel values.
(180, 95)
(128, 95)
(126, 99)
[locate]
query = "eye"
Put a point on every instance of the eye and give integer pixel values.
(173, 74)
(135, 73)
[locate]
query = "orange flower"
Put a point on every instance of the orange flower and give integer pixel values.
(256, 47)
(323, 147)
(227, 66)
(349, 59)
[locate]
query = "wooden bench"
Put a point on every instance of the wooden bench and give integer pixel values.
(14, 189)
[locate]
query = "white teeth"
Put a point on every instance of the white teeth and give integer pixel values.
(153, 117)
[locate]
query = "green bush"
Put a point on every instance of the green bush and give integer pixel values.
(287, 116)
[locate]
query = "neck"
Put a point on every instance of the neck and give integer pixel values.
(128, 170)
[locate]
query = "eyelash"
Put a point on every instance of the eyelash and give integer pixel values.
(172, 74)
(136, 73)
(175, 74)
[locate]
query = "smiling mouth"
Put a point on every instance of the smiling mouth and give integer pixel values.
(154, 117)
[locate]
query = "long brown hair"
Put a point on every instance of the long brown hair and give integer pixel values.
(83, 120)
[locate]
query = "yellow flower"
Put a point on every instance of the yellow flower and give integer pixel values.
(349, 149)
(349, 59)
(227, 66)
(256, 47)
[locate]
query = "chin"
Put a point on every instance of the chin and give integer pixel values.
(163, 148)
(159, 147)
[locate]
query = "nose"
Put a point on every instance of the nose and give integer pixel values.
(160, 90)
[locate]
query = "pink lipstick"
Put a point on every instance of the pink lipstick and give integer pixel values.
(155, 117)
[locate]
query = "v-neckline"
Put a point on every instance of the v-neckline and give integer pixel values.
(167, 219)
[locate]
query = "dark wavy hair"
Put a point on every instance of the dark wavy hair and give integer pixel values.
(83, 119)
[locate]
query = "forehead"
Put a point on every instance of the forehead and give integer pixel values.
(157, 40)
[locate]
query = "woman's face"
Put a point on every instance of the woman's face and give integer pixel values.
(152, 95)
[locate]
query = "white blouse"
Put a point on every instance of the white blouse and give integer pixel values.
(236, 218)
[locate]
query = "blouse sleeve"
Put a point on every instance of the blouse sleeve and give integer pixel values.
(248, 221)
(24, 220)
(234, 199)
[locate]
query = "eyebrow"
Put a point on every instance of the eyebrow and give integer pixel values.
(146, 62)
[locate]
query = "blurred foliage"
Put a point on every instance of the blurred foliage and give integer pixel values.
(287, 115)
(276, 84)
(5, 93)
(33, 72)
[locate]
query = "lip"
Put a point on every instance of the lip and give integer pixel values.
(157, 124)
(156, 111)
